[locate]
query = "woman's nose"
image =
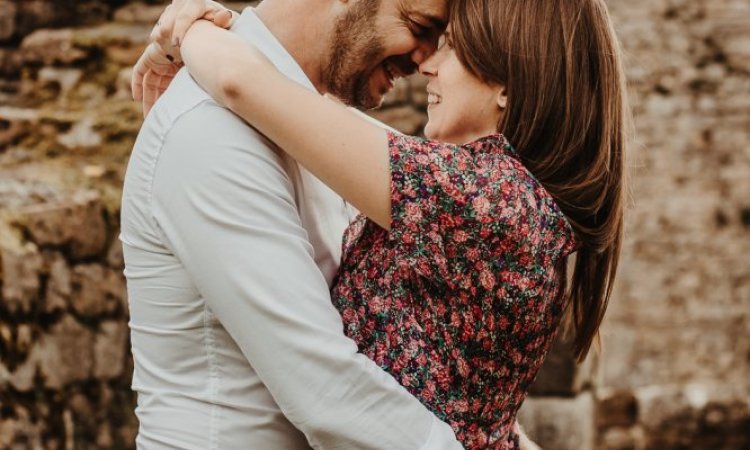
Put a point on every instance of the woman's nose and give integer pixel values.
(428, 67)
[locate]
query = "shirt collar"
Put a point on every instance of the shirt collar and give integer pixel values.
(249, 27)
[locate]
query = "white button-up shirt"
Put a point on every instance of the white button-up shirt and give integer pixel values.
(230, 249)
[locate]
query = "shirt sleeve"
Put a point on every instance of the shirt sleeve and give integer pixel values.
(226, 207)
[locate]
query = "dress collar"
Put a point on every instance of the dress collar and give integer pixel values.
(491, 144)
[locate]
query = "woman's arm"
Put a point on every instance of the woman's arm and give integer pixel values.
(344, 151)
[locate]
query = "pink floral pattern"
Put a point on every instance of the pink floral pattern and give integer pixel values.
(460, 300)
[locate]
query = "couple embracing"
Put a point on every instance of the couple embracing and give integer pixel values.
(253, 327)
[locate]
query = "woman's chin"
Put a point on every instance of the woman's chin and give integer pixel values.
(435, 135)
(430, 132)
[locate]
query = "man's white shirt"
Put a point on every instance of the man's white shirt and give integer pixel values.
(230, 248)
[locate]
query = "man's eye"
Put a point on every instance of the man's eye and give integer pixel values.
(420, 31)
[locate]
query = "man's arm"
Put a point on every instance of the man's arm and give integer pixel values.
(226, 208)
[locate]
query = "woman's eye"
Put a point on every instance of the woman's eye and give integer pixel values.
(445, 41)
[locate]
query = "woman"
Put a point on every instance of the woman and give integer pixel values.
(454, 278)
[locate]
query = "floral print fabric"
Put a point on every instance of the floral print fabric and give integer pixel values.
(460, 300)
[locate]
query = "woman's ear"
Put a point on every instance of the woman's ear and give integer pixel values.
(502, 98)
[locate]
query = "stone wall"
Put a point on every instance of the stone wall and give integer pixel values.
(675, 361)
(673, 373)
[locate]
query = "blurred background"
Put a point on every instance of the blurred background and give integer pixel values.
(674, 370)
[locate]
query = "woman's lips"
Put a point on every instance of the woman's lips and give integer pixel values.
(433, 99)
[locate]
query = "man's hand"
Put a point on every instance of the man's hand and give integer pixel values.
(161, 60)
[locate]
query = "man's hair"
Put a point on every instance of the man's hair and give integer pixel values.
(567, 116)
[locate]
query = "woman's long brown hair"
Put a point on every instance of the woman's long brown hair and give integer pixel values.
(567, 117)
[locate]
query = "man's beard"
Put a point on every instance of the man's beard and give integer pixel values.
(355, 44)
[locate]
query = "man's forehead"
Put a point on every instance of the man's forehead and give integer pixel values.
(430, 9)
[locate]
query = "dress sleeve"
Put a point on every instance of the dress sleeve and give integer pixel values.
(453, 206)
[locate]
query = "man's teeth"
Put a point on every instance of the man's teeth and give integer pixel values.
(434, 99)
(389, 70)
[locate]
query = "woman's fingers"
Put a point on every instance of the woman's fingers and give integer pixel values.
(151, 75)
(223, 18)
(191, 11)
(161, 59)
(162, 34)
(136, 79)
(154, 85)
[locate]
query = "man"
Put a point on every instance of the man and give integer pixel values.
(230, 249)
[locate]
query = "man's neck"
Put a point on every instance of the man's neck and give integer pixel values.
(298, 25)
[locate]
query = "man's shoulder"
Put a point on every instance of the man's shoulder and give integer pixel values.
(183, 96)
(186, 102)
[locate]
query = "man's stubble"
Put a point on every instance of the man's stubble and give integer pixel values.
(354, 47)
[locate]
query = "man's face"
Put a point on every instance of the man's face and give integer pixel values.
(377, 41)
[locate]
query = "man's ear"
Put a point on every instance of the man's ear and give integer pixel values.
(502, 98)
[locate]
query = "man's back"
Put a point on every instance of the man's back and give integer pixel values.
(195, 386)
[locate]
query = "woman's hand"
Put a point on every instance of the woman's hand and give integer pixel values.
(162, 59)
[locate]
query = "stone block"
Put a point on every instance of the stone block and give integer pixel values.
(12, 129)
(616, 408)
(694, 416)
(21, 266)
(11, 63)
(24, 337)
(81, 135)
(19, 430)
(109, 350)
(560, 423)
(61, 356)
(138, 12)
(8, 12)
(51, 47)
(623, 439)
(561, 374)
(4, 376)
(63, 79)
(80, 405)
(734, 39)
(112, 35)
(35, 14)
(97, 290)
(76, 223)
(115, 258)
(125, 56)
(59, 279)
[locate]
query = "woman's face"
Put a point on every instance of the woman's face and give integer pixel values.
(461, 108)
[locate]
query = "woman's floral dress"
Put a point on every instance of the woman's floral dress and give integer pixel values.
(460, 300)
